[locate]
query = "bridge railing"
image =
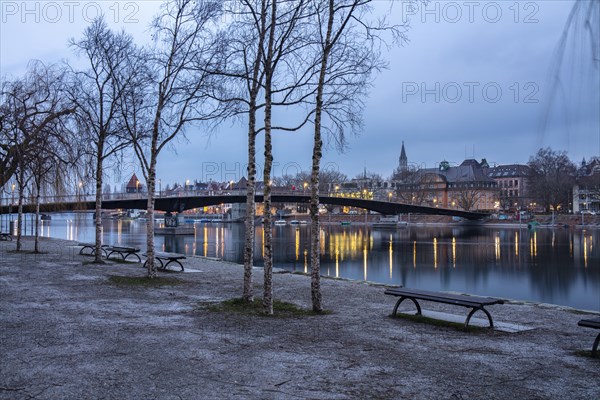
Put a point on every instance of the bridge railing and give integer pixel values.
(91, 197)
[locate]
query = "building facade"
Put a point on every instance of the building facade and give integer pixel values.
(466, 187)
(586, 191)
(513, 185)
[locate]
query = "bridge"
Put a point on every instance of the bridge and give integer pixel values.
(179, 204)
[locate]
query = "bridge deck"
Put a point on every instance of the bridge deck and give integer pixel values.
(179, 204)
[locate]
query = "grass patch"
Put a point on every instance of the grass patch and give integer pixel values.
(439, 322)
(143, 281)
(280, 308)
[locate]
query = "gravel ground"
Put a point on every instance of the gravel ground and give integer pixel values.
(69, 333)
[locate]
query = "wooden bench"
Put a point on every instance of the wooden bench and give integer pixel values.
(92, 248)
(169, 258)
(5, 236)
(592, 323)
(476, 303)
(123, 251)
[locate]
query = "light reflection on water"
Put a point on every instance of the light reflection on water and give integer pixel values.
(558, 266)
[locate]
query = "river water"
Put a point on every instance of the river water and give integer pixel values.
(558, 266)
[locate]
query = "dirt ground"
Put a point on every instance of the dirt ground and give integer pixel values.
(69, 333)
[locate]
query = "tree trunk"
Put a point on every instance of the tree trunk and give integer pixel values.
(248, 291)
(20, 215)
(315, 237)
(21, 193)
(267, 230)
(36, 248)
(99, 172)
(150, 264)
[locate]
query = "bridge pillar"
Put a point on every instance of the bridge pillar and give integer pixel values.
(171, 221)
(238, 211)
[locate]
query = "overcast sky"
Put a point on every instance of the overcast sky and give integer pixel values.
(475, 80)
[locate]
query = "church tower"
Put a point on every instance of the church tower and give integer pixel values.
(403, 165)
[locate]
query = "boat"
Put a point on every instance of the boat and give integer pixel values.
(303, 222)
(280, 222)
(45, 217)
(345, 223)
(294, 222)
(387, 222)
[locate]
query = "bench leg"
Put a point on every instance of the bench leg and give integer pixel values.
(473, 311)
(173, 261)
(398, 304)
(595, 346)
(131, 254)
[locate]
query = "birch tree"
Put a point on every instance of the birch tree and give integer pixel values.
(245, 37)
(97, 94)
(285, 41)
(266, 37)
(169, 87)
(347, 53)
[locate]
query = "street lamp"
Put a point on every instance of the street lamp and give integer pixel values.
(305, 185)
(390, 196)
(159, 188)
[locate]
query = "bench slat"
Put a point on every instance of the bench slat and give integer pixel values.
(590, 323)
(170, 256)
(448, 298)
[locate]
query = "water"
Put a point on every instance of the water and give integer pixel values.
(558, 266)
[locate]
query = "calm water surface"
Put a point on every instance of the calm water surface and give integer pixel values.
(558, 266)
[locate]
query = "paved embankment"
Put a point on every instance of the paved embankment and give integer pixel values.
(68, 333)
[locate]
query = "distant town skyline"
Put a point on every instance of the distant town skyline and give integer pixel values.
(474, 81)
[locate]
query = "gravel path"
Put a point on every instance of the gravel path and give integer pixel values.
(69, 333)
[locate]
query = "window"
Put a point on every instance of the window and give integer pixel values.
(516, 183)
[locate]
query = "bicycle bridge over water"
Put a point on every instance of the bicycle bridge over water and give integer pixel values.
(182, 203)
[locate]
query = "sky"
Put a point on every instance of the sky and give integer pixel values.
(476, 80)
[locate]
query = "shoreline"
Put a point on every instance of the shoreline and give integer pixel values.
(69, 333)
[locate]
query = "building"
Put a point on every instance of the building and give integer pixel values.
(134, 185)
(513, 184)
(465, 186)
(586, 191)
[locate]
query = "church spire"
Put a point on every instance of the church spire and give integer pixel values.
(403, 166)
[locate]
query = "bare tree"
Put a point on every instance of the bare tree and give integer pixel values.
(245, 37)
(27, 106)
(267, 36)
(467, 197)
(49, 166)
(30, 107)
(346, 50)
(553, 175)
(97, 94)
(172, 88)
